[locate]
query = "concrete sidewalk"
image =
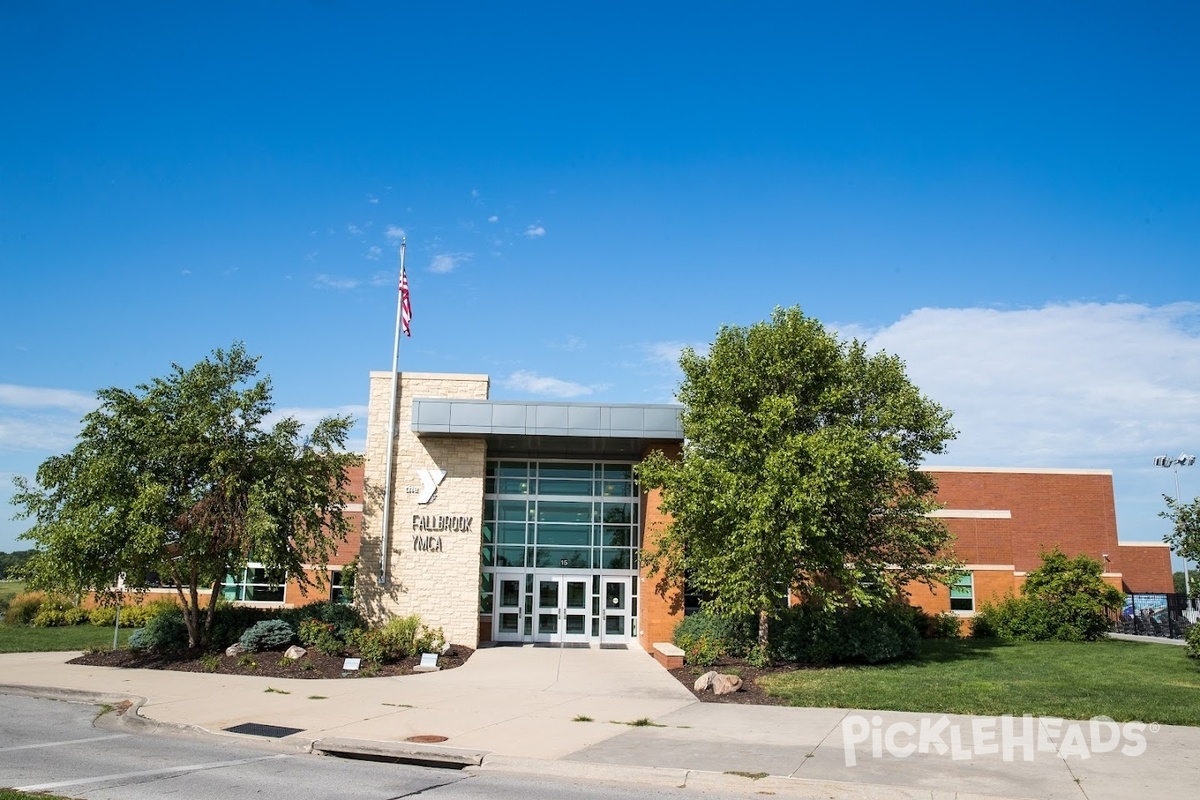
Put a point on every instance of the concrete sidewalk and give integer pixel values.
(521, 709)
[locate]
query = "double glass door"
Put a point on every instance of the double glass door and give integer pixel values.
(562, 609)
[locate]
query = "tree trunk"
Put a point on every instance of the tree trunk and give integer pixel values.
(764, 621)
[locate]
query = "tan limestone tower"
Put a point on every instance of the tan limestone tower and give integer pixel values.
(437, 510)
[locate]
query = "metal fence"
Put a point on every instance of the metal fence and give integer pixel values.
(1163, 615)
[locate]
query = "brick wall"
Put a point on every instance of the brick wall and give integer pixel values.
(660, 602)
(1146, 567)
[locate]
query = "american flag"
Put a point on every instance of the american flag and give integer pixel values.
(405, 303)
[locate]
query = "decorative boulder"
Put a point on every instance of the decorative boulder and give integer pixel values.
(234, 649)
(726, 684)
(705, 681)
(295, 652)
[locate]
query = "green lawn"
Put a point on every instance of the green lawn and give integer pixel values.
(26, 639)
(1123, 680)
(9, 590)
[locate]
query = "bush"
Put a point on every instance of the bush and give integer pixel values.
(430, 640)
(705, 637)
(270, 634)
(945, 625)
(49, 618)
(401, 633)
(812, 635)
(983, 624)
(1065, 600)
(322, 636)
(1193, 641)
(103, 616)
(343, 618)
(230, 622)
(24, 607)
(375, 646)
(75, 616)
(165, 632)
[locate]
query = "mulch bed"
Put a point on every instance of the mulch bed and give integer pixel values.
(750, 693)
(267, 663)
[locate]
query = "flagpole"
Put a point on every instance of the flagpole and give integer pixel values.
(385, 552)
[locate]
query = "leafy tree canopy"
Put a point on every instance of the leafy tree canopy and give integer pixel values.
(799, 472)
(1184, 537)
(182, 481)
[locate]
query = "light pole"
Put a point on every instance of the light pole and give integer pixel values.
(1182, 460)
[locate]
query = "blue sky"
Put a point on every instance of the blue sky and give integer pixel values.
(1005, 195)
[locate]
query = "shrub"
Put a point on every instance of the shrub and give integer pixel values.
(1063, 600)
(164, 633)
(401, 633)
(230, 622)
(322, 636)
(103, 616)
(75, 616)
(49, 618)
(1193, 641)
(24, 607)
(270, 634)
(813, 635)
(344, 618)
(211, 662)
(139, 615)
(983, 624)
(937, 626)
(430, 640)
(704, 637)
(376, 646)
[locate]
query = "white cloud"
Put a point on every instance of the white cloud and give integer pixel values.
(535, 232)
(493, 218)
(354, 230)
(667, 353)
(335, 282)
(446, 262)
(474, 194)
(532, 383)
(572, 344)
(394, 233)
(374, 252)
(372, 199)
(39, 419)
(1088, 385)
(13, 396)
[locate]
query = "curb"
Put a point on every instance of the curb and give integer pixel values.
(705, 781)
(400, 752)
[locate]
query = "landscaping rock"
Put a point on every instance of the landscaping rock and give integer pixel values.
(726, 684)
(295, 652)
(705, 680)
(234, 649)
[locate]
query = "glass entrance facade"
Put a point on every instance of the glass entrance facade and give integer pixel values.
(560, 551)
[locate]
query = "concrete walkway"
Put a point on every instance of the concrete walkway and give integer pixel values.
(523, 709)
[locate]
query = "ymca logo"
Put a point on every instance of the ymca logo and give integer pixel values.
(430, 480)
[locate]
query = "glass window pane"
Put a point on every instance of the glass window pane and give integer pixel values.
(564, 512)
(265, 594)
(548, 594)
(617, 536)
(512, 469)
(510, 556)
(618, 512)
(616, 559)
(489, 509)
(560, 487)
(576, 623)
(576, 594)
(486, 535)
(961, 604)
(489, 485)
(513, 486)
(622, 472)
(614, 624)
(551, 470)
(563, 557)
(510, 593)
(510, 510)
(548, 623)
(561, 534)
(487, 556)
(510, 532)
(614, 488)
(485, 604)
(508, 623)
(485, 582)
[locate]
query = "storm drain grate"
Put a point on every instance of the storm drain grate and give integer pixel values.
(259, 729)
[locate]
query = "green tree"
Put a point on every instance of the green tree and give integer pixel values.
(1184, 537)
(181, 481)
(799, 473)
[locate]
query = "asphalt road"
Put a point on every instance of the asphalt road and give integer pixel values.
(52, 746)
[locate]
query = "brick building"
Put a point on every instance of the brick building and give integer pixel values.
(521, 521)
